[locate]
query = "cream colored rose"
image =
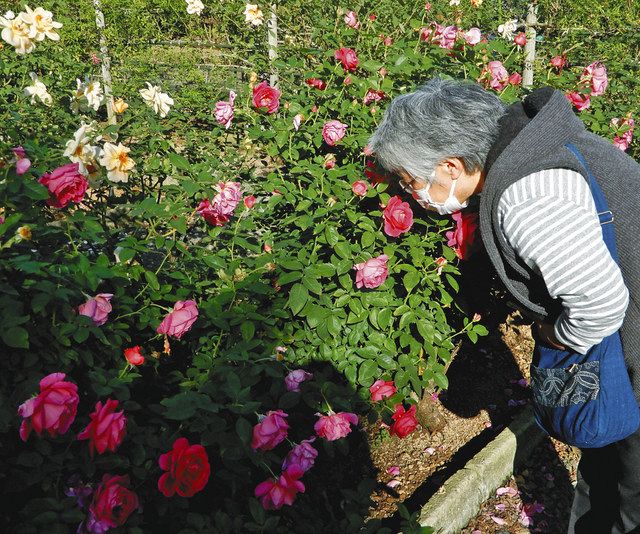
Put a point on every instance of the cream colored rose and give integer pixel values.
(41, 23)
(17, 33)
(80, 150)
(253, 14)
(38, 90)
(117, 162)
(160, 102)
(194, 7)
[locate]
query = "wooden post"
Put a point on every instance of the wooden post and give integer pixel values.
(272, 37)
(105, 61)
(530, 48)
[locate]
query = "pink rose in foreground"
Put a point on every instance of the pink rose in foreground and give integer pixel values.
(348, 58)
(359, 188)
(373, 96)
(134, 356)
(335, 425)
(515, 78)
(113, 502)
(265, 96)
(381, 390)
(398, 217)
(520, 39)
(499, 75)
(107, 428)
(463, 237)
(579, 100)
(270, 432)
(293, 380)
(97, 308)
(351, 20)
(558, 61)
(333, 131)
(179, 321)
(372, 273)
(472, 36)
(65, 184)
(302, 455)
(405, 422)
(596, 76)
(224, 110)
(274, 493)
(53, 409)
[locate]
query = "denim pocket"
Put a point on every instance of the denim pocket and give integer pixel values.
(575, 384)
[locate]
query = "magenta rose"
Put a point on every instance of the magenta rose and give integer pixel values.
(265, 96)
(335, 425)
(596, 76)
(295, 378)
(224, 111)
(348, 58)
(303, 455)
(381, 390)
(405, 421)
(97, 308)
(107, 428)
(359, 188)
(179, 321)
(65, 184)
(275, 493)
(579, 100)
(113, 502)
(398, 217)
(271, 431)
(333, 131)
(372, 272)
(53, 409)
(317, 83)
(220, 209)
(462, 239)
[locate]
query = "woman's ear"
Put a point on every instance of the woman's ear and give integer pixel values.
(453, 167)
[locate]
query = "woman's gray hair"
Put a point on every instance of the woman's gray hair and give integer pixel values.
(443, 118)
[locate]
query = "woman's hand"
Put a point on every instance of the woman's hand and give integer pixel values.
(546, 334)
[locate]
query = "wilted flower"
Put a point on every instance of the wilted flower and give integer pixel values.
(97, 308)
(39, 90)
(579, 100)
(293, 380)
(472, 36)
(297, 120)
(508, 28)
(159, 101)
(558, 61)
(119, 106)
(351, 20)
(373, 95)
(253, 14)
(275, 493)
(303, 455)
(224, 110)
(596, 76)
(117, 162)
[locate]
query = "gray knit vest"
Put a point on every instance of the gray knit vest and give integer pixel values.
(533, 134)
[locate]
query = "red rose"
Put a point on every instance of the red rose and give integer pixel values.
(348, 58)
(249, 201)
(113, 503)
(265, 96)
(133, 355)
(317, 83)
(65, 184)
(398, 217)
(107, 428)
(187, 469)
(463, 237)
(558, 61)
(405, 422)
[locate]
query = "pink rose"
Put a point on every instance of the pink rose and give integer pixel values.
(265, 96)
(271, 431)
(579, 100)
(348, 58)
(351, 20)
(398, 217)
(249, 201)
(224, 111)
(520, 39)
(113, 503)
(302, 455)
(97, 308)
(373, 96)
(53, 409)
(387, 41)
(367, 150)
(432, 32)
(472, 36)
(295, 378)
(333, 131)
(19, 152)
(596, 75)
(447, 37)
(335, 425)
(22, 162)
(372, 272)
(219, 210)
(179, 321)
(463, 237)
(275, 493)
(499, 75)
(65, 184)
(359, 188)
(317, 83)
(381, 390)
(405, 422)
(558, 61)
(107, 428)
(515, 78)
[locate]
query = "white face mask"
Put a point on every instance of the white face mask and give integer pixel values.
(449, 206)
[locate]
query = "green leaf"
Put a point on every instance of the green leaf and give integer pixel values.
(411, 280)
(298, 297)
(247, 329)
(332, 235)
(343, 250)
(441, 380)
(16, 337)
(368, 370)
(244, 430)
(152, 280)
(179, 162)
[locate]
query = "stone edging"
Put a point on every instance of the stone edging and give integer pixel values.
(461, 496)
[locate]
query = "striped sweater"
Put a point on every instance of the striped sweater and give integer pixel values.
(550, 220)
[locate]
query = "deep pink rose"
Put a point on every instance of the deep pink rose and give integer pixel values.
(224, 110)
(53, 410)
(499, 75)
(65, 184)
(373, 96)
(265, 96)
(515, 78)
(335, 425)
(520, 39)
(317, 83)
(348, 58)
(187, 469)
(107, 428)
(405, 422)
(275, 493)
(179, 321)
(249, 201)
(113, 503)
(558, 61)
(219, 210)
(596, 75)
(97, 308)
(380, 390)
(579, 100)
(333, 131)
(620, 142)
(19, 152)
(351, 20)
(271, 431)
(359, 188)
(303, 455)
(372, 272)
(295, 378)
(398, 217)
(432, 32)
(472, 36)
(462, 239)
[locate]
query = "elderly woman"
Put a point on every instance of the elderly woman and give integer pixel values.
(451, 142)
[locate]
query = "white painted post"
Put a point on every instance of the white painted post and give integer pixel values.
(105, 61)
(272, 39)
(530, 48)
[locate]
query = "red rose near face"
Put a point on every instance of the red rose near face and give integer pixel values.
(398, 217)
(65, 184)
(265, 96)
(187, 469)
(463, 237)
(113, 503)
(348, 58)
(405, 422)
